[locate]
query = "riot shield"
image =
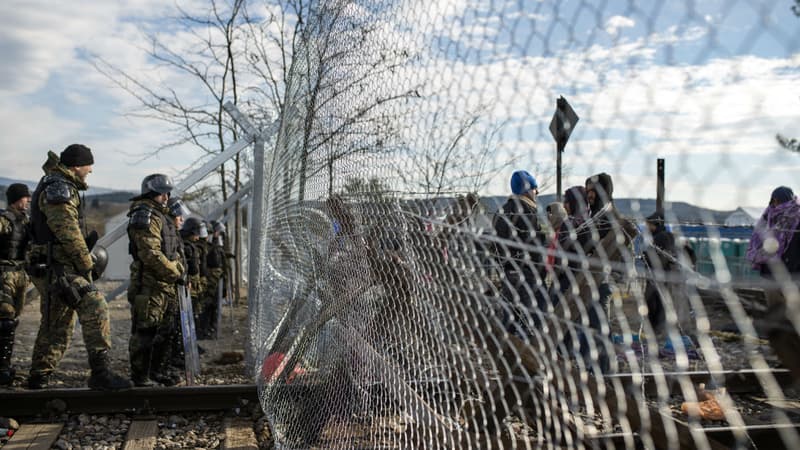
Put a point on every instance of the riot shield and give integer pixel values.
(220, 304)
(189, 336)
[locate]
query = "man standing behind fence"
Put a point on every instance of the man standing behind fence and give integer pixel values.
(61, 269)
(155, 248)
(522, 258)
(774, 251)
(605, 238)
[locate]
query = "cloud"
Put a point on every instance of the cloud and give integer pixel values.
(615, 23)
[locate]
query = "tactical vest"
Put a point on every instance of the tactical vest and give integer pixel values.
(40, 232)
(191, 255)
(216, 257)
(13, 245)
(170, 241)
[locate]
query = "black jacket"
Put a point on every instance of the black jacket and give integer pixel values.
(518, 220)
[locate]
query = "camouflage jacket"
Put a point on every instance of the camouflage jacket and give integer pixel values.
(57, 216)
(154, 242)
(13, 236)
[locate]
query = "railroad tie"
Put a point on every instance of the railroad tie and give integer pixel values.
(34, 436)
(239, 435)
(142, 435)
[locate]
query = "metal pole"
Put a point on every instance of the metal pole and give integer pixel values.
(559, 150)
(660, 185)
(254, 254)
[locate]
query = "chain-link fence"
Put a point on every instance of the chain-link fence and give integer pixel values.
(410, 296)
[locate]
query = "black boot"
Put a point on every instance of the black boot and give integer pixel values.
(103, 378)
(160, 370)
(7, 327)
(38, 380)
(177, 358)
(141, 356)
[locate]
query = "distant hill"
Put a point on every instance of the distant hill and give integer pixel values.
(91, 192)
(637, 207)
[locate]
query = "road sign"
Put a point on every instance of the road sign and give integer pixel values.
(563, 122)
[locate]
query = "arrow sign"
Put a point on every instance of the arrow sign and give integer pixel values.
(563, 122)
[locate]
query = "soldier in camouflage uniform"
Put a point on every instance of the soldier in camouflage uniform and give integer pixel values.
(194, 252)
(13, 279)
(215, 261)
(155, 247)
(61, 269)
(167, 369)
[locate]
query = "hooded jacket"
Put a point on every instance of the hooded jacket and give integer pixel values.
(518, 220)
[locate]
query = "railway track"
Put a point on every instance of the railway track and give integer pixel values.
(137, 400)
(48, 418)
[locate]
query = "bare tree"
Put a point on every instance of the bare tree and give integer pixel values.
(457, 155)
(790, 144)
(324, 65)
(211, 66)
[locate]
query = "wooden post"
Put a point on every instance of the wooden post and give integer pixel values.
(660, 185)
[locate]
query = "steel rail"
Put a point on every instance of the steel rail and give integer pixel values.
(137, 400)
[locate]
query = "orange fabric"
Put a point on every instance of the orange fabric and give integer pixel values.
(708, 409)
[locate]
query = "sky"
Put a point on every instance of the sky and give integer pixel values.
(705, 85)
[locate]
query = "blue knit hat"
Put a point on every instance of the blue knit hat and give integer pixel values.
(522, 182)
(782, 194)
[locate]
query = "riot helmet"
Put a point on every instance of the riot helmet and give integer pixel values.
(217, 227)
(157, 183)
(192, 226)
(99, 261)
(203, 230)
(177, 208)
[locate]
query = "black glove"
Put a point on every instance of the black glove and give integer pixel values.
(91, 239)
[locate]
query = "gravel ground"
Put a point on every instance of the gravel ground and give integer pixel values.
(193, 430)
(74, 368)
(107, 432)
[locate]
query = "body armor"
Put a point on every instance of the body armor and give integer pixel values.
(12, 246)
(56, 189)
(216, 256)
(170, 241)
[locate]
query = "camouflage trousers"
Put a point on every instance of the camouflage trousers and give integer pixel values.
(13, 284)
(153, 310)
(207, 306)
(59, 311)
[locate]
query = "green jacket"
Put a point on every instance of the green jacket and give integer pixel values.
(63, 218)
(154, 242)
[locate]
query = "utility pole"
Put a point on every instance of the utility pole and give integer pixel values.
(561, 126)
(660, 185)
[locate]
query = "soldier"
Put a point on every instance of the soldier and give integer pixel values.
(155, 247)
(190, 233)
(200, 298)
(215, 265)
(166, 368)
(192, 250)
(14, 224)
(62, 271)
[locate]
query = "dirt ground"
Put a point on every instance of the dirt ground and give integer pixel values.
(74, 368)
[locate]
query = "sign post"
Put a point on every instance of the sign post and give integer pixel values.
(561, 126)
(660, 185)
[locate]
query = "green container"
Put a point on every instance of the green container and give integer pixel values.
(729, 249)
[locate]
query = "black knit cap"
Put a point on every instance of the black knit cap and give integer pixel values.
(17, 191)
(77, 155)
